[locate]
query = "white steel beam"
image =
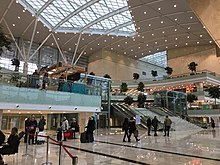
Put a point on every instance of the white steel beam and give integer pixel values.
(27, 27)
(44, 7)
(79, 56)
(32, 38)
(3, 16)
(64, 58)
(119, 27)
(77, 11)
(14, 39)
(39, 46)
(77, 45)
(105, 17)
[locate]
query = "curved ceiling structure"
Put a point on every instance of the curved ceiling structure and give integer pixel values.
(91, 25)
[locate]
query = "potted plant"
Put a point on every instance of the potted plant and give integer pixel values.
(154, 74)
(169, 70)
(214, 92)
(140, 86)
(192, 67)
(141, 100)
(107, 76)
(124, 87)
(128, 100)
(191, 98)
(136, 76)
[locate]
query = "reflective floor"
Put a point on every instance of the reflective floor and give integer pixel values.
(181, 148)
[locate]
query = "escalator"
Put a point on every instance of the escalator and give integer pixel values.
(122, 112)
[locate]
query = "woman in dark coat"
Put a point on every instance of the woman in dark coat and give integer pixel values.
(132, 129)
(125, 128)
(90, 128)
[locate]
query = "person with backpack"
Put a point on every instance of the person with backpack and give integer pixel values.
(125, 128)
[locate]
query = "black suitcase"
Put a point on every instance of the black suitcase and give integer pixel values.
(83, 138)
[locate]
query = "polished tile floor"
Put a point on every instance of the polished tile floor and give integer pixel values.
(181, 148)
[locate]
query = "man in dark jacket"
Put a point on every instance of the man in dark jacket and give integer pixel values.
(132, 129)
(32, 129)
(148, 126)
(125, 128)
(155, 125)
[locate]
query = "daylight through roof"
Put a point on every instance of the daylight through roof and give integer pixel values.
(83, 16)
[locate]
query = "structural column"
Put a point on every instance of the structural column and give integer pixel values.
(1, 114)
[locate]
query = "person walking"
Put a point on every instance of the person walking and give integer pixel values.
(149, 123)
(65, 127)
(155, 125)
(132, 129)
(125, 128)
(212, 123)
(167, 124)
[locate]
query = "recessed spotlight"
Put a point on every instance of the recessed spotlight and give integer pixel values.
(165, 40)
(197, 42)
(163, 32)
(37, 32)
(23, 11)
(134, 39)
(90, 48)
(142, 54)
(105, 41)
(65, 32)
(176, 38)
(155, 42)
(188, 28)
(152, 34)
(145, 12)
(149, 51)
(58, 38)
(142, 37)
(139, 47)
(98, 44)
(157, 49)
(19, 17)
(166, 47)
(174, 5)
(135, 56)
(200, 35)
(13, 24)
(161, 21)
(111, 48)
(149, 24)
(159, 8)
(210, 42)
(69, 48)
(175, 30)
(125, 53)
(146, 44)
(175, 19)
(186, 43)
(191, 17)
(112, 37)
(204, 27)
(126, 42)
(132, 50)
(118, 45)
(187, 36)
(176, 45)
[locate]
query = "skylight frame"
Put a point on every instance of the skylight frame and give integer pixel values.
(56, 11)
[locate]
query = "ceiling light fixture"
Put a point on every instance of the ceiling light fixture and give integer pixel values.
(159, 8)
(175, 19)
(174, 5)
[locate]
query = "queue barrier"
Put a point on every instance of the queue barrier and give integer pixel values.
(74, 158)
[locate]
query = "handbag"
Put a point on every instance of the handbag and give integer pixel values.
(136, 133)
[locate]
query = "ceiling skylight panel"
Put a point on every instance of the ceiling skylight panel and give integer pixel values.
(88, 15)
(35, 4)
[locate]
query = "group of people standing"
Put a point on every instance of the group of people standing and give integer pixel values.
(129, 127)
(154, 123)
(31, 125)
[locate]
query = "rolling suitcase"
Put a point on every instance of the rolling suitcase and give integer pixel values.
(40, 139)
(83, 138)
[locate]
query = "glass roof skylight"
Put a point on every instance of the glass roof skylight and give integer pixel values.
(83, 16)
(159, 58)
